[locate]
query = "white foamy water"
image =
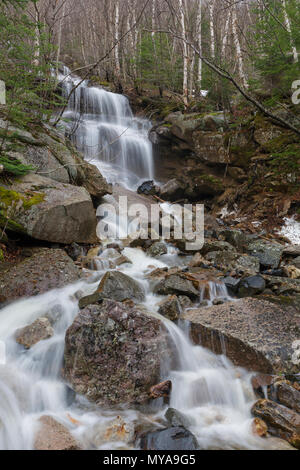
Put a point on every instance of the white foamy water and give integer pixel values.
(102, 126)
(215, 396)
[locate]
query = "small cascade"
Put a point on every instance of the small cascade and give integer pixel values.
(103, 128)
(214, 396)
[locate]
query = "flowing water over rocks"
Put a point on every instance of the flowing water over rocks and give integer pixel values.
(214, 397)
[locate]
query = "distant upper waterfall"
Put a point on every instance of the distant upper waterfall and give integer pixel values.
(102, 126)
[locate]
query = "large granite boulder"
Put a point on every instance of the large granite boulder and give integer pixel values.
(47, 210)
(113, 353)
(257, 335)
(46, 269)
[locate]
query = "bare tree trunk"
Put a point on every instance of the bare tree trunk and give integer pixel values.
(289, 29)
(199, 41)
(185, 54)
(117, 48)
(225, 36)
(238, 47)
(212, 28)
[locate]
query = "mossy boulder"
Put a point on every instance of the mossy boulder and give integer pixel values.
(47, 210)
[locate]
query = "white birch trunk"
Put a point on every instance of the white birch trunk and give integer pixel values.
(289, 29)
(211, 28)
(238, 47)
(199, 40)
(185, 54)
(117, 48)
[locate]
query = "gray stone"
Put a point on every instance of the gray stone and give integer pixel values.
(157, 249)
(170, 308)
(234, 261)
(172, 191)
(175, 438)
(257, 335)
(269, 254)
(116, 286)
(176, 285)
(252, 285)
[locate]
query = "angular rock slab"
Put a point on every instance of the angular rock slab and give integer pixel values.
(64, 213)
(113, 354)
(54, 436)
(46, 269)
(257, 335)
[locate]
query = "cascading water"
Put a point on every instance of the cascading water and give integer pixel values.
(102, 126)
(214, 396)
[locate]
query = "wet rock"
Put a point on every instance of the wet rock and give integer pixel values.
(232, 284)
(162, 390)
(269, 254)
(286, 394)
(175, 438)
(54, 436)
(185, 302)
(281, 421)
(170, 308)
(117, 430)
(176, 419)
(116, 286)
(148, 188)
(113, 354)
(257, 335)
(172, 191)
(56, 212)
(46, 269)
(292, 250)
(260, 383)
(234, 261)
(40, 330)
(259, 428)
(252, 285)
(215, 246)
(176, 285)
(157, 249)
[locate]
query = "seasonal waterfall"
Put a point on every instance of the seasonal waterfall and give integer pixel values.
(102, 126)
(214, 396)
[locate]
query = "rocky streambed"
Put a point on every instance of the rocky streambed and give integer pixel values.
(137, 343)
